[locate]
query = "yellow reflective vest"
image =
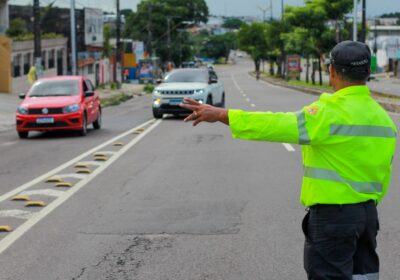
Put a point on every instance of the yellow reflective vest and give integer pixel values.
(348, 142)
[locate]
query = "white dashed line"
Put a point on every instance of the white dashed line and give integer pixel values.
(46, 192)
(22, 229)
(288, 147)
(9, 143)
(236, 84)
(248, 99)
(253, 105)
(15, 213)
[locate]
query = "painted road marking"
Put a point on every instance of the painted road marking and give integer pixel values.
(248, 99)
(18, 232)
(264, 82)
(288, 147)
(15, 213)
(9, 143)
(72, 175)
(46, 192)
(236, 84)
(90, 163)
(253, 105)
(244, 95)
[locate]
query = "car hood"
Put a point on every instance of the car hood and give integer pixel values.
(50, 101)
(181, 86)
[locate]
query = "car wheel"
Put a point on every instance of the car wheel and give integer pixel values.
(83, 130)
(23, 134)
(209, 100)
(223, 101)
(157, 114)
(97, 122)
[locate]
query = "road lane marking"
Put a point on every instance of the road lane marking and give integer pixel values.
(15, 213)
(244, 95)
(45, 192)
(9, 143)
(264, 82)
(71, 175)
(19, 231)
(253, 105)
(248, 99)
(288, 147)
(236, 84)
(51, 173)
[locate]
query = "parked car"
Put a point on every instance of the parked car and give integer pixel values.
(59, 103)
(199, 84)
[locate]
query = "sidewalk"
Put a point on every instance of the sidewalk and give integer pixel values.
(10, 102)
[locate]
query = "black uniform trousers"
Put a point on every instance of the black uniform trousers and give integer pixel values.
(341, 242)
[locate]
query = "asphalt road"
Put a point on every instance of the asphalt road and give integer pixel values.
(173, 202)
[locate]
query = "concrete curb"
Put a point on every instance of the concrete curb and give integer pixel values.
(387, 105)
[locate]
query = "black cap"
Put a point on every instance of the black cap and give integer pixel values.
(351, 55)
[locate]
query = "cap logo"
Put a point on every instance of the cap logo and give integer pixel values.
(312, 111)
(358, 63)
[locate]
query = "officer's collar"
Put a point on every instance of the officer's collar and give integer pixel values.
(353, 90)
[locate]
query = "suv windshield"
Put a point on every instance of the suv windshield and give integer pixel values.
(55, 88)
(189, 76)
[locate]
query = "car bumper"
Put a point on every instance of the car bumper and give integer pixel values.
(72, 121)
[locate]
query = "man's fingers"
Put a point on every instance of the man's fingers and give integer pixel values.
(189, 107)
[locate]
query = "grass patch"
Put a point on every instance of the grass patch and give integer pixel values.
(115, 100)
(148, 88)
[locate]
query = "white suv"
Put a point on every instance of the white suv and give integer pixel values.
(199, 84)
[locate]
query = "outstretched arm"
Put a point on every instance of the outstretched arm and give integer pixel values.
(204, 112)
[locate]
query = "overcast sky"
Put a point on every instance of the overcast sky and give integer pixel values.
(225, 7)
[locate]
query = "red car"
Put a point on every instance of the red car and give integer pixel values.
(59, 103)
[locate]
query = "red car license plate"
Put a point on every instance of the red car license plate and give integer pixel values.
(45, 120)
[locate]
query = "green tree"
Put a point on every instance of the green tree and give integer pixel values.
(17, 28)
(218, 46)
(232, 23)
(149, 24)
(253, 40)
(107, 49)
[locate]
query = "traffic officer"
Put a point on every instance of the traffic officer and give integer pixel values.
(348, 146)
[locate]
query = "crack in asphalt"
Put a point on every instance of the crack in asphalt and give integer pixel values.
(125, 262)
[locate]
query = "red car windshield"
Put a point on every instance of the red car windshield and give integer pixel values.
(55, 88)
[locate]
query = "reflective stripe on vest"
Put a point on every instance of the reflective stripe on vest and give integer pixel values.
(362, 130)
(369, 276)
(332, 175)
(304, 138)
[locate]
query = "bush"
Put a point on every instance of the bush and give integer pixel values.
(148, 88)
(113, 86)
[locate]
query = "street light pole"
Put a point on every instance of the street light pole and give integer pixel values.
(118, 71)
(37, 38)
(363, 22)
(354, 20)
(73, 38)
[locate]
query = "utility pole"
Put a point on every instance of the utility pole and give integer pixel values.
(354, 20)
(264, 10)
(270, 6)
(169, 37)
(119, 72)
(282, 10)
(150, 37)
(37, 35)
(73, 38)
(363, 22)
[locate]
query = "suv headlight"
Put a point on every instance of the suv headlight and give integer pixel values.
(199, 91)
(71, 108)
(22, 110)
(156, 91)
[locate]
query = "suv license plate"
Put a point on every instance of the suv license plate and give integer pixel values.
(45, 120)
(175, 101)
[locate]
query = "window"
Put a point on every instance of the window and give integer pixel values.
(17, 65)
(89, 85)
(51, 59)
(27, 63)
(44, 60)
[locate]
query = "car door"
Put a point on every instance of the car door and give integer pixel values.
(215, 87)
(89, 102)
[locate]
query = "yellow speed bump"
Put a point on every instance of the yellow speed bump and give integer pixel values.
(64, 184)
(5, 228)
(35, 203)
(54, 180)
(83, 170)
(118, 144)
(100, 158)
(81, 165)
(99, 154)
(21, 198)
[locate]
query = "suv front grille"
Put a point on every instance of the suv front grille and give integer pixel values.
(176, 92)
